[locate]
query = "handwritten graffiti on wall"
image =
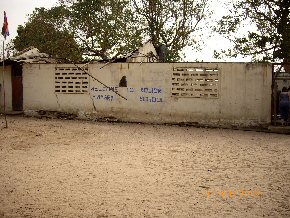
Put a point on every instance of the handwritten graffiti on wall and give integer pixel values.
(151, 95)
(130, 89)
(108, 93)
(151, 90)
(105, 89)
(110, 89)
(99, 93)
(147, 94)
(150, 99)
(105, 97)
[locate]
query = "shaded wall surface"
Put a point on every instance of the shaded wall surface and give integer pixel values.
(206, 93)
(8, 89)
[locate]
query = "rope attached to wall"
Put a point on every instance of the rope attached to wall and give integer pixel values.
(82, 69)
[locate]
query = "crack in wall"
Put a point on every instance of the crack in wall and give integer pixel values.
(91, 97)
(57, 100)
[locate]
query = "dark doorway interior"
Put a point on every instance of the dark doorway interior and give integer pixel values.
(17, 87)
(280, 79)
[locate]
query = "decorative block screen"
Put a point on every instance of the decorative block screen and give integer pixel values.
(71, 80)
(195, 82)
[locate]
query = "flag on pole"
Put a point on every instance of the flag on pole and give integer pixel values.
(5, 31)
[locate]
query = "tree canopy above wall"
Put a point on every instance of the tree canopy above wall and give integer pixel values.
(266, 24)
(100, 30)
(103, 29)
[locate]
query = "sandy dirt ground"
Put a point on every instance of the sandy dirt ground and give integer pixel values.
(71, 168)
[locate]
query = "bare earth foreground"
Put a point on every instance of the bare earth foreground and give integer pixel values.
(61, 168)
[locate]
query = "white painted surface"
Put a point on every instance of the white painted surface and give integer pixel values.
(146, 53)
(244, 94)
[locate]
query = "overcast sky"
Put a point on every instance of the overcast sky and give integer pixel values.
(17, 11)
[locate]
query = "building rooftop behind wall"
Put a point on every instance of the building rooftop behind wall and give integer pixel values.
(32, 55)
(146, 53)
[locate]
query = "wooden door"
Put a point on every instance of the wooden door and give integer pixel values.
(17, 87)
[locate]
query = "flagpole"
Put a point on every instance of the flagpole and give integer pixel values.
(4, 100)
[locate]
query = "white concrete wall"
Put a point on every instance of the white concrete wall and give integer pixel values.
(244, 96)
(8, 89)
(38, 91)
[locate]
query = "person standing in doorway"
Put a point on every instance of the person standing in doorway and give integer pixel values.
(284, 104)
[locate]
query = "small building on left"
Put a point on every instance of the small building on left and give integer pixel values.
(11, 87)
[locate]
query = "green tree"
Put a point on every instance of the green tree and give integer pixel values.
(42, 31)
(76, 29)
(103, 28)
(269, 37)
(172, 23)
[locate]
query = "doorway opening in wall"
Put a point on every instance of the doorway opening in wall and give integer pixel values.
(280, 108)
(17, 87)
